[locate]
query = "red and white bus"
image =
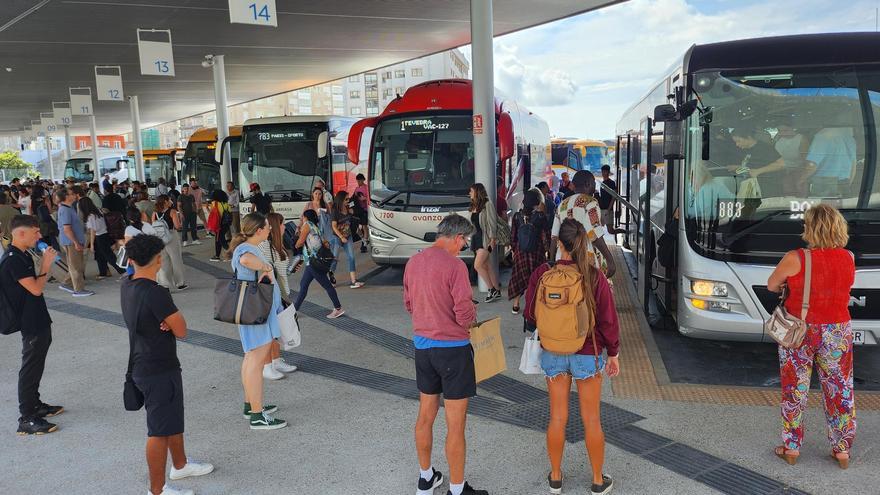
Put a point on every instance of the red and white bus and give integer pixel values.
(421, 162)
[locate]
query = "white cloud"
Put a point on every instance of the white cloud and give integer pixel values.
(530, 84)
(582, 73)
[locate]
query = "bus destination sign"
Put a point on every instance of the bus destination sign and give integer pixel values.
(435, 124)
(270, 136)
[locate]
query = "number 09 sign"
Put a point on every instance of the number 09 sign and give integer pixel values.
(259, 12)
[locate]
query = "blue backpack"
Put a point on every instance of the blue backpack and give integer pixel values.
(289, 236)
(527, 235)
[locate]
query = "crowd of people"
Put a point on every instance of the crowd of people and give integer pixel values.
(555, 247)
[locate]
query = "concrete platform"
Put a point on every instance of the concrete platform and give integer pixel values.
(352, 405)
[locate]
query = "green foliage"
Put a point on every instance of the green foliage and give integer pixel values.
(10, 159)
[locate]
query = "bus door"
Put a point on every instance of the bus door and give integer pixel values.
(661, 199)
(643, 230)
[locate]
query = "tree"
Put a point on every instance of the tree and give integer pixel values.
(13, 166)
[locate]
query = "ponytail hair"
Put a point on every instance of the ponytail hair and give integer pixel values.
(573, 237)
(250, 224)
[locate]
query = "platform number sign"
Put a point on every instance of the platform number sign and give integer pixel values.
(108, 79)
(48, 122)
(62, 112)
(257, 12)
(156, 52)
(80, 101)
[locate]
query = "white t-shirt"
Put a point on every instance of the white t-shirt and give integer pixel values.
(96, 223)
(130, 231)
(585, 209)
(25, 203)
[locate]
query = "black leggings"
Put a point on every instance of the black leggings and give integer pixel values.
(104, 255)
(220, 242)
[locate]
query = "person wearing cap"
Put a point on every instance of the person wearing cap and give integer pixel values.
(262, 202)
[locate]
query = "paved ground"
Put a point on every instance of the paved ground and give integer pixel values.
(351, 410)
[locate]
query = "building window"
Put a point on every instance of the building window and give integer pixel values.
(399, 74)
(354, 94)
(355, 78)
(337, 90)
(387, 93)
(355, 110)
(372, 111)
(372, 93)
(371, 78)
(386, 75)
(417, 72)
(398, 90)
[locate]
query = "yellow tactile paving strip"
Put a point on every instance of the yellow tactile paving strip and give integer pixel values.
(638, 379)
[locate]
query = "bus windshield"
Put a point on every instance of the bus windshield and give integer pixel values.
(765, 147)
(421, 160)
(79, 169)
(283, 159)
(156, 166)
(594, 158)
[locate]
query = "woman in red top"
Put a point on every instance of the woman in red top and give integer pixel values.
(829, 337)
(584, 365)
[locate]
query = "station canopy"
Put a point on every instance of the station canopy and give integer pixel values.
(52, 45)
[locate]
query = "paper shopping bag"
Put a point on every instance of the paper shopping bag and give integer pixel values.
(530, 361)
(290, 334)
(488, 349)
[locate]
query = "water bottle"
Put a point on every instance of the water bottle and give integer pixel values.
(42, 247)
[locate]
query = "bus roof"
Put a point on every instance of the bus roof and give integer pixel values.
(441, 94)
(209, 134)
(294, 119)
(155, 152)
(587, 142)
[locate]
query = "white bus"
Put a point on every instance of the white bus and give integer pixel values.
(115, 162)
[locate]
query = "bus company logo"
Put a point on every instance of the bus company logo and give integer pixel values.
(430, 209)
(427, 218)
(861, 301)
(798, 208)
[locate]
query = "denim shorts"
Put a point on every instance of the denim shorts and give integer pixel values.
(580, 366)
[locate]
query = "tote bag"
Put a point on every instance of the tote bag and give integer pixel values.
(243, 302)
(290, 334)
(530, 362)
(489, 359)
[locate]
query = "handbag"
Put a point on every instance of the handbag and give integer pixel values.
(503, 235)
(161, 229)
(243, 302)
(530, 362)
(786, 329)
(132, 397)
(290, 334)
(122, 258)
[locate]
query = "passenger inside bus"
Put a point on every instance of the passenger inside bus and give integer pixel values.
(831, 162)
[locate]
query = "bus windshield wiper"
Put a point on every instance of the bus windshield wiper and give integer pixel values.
(414, 191)
(389, 198)
(729, 240)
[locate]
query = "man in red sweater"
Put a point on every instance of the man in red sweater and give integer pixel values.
(437, 293)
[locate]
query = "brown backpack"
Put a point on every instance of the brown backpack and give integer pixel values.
(563, 319)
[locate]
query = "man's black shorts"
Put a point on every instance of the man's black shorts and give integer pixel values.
(163, 401)
(446, 370)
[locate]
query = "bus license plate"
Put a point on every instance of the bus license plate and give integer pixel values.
(858, 337)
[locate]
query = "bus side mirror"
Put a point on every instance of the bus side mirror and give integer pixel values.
(355, 134)
(323, 142)
(220, 149)
(673, 140)
(505, 137)
(665, 113)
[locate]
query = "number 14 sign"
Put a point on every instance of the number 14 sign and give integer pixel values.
(259, 12)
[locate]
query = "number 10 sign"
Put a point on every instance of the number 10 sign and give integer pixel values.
(259, 12)
(156, 53)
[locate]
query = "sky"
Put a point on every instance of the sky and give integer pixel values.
(581, 74)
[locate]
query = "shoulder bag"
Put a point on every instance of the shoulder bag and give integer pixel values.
(243, 302)
(785, 328)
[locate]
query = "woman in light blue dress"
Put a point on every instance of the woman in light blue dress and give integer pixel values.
(256, 340)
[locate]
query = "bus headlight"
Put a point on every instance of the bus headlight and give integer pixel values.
(381, 235)
(707, 288)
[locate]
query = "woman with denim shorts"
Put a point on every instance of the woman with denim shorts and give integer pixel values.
(585, 365)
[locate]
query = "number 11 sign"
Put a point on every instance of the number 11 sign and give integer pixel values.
(259, 12)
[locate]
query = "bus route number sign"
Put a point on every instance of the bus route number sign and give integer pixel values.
(256, 12)
(433, 124)
(730, 209)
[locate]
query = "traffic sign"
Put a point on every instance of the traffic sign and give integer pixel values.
(156, 52)
(81, 101)
(256, 12)
(108, 79)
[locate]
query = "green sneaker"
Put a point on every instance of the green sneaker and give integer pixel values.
(264, 421)
(267, 409)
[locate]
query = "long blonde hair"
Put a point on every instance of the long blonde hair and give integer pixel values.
(250, 224)
(573, 237)
(825, 227)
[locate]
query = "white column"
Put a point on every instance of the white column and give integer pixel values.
(49, 154)
(94, 133)
(482, 69)
(67, 143)
(222, 116)
(136, 135)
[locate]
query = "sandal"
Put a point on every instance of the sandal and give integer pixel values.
(782, 453)
(842, 461)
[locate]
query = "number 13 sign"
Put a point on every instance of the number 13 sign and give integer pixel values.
(156, 52)
(259, 12)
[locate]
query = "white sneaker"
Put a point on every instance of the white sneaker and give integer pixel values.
(185, 243)
(270, 373)
(283, 366)
(192, 468)
(196, 243)
(170, 490)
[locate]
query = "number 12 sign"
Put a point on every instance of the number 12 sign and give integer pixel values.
(259, 12)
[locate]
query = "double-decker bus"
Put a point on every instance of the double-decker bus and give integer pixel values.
(111, 161)
(287, 156)
(421, 162)
(737, 140)
(199, 158)
(158, 164)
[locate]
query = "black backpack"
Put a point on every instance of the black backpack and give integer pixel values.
(527, 235)
(9, 320)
